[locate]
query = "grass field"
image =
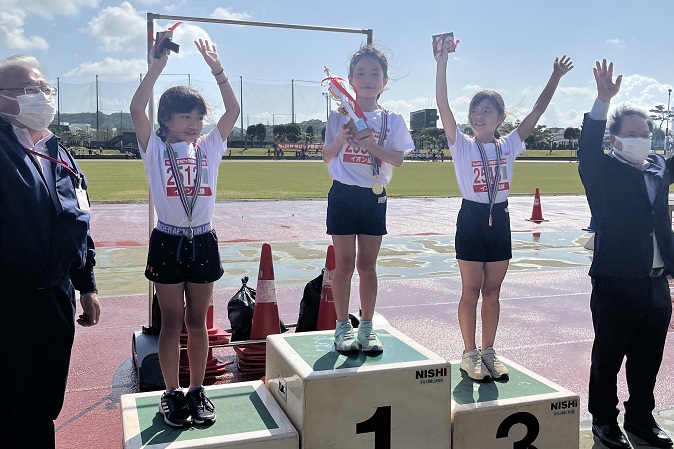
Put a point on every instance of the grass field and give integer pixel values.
(124, 180)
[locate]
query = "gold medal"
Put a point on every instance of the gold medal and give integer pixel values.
(377, 188)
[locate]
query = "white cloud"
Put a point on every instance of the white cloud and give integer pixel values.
(110, 67)
(12, 34)
(228, 14)
(616, 42)
(118, 28)
(471, 88)
(185, 35)
(15, 13)
(51, 8)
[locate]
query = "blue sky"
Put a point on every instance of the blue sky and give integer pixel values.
(506, 46)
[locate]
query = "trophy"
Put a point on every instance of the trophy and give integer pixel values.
(347, 107)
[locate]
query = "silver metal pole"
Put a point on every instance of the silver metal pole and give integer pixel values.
(150, 202)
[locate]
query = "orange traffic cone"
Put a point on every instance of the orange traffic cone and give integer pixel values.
(537, 213)
(327, 316)
(265, 315)
(252, 357)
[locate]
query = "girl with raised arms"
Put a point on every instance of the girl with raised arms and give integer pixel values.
(484, 166)
(183, 259)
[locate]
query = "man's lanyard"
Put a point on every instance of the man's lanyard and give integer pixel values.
(55, 161)
(182, 192)
(492, 182)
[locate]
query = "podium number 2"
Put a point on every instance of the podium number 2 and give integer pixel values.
(529, 421)
(380, 424)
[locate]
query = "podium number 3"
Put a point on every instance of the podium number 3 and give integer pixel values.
(380, 424)
(530, 422)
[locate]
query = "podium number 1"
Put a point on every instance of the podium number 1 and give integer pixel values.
(529, 421)
(380, 424)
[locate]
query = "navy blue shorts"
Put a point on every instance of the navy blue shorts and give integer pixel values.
(475, 240)
(354, 210)
(173, 259)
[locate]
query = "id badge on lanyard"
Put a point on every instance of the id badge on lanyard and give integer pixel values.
(82, 197)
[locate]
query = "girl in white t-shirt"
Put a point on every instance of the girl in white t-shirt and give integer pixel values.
(183, 258)
(360, 166)
(483, 245)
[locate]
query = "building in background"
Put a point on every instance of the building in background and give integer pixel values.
(425, 118)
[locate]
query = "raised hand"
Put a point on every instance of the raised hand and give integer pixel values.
(562, 66)
(606, 88)
(160, 62)
(210, 55)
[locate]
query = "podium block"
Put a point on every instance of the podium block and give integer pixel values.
(397, 399)
(247, 418)
(525, 411)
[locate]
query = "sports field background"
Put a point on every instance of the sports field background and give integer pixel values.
(124, 180)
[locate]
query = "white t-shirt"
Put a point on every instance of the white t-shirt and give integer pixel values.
(470, 170)
(353, 166)
(164, 189)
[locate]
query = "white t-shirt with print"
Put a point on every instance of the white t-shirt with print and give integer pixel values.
(163, 185)
(353, 166)
(469, 168)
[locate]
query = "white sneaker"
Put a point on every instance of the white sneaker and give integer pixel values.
(367, 338)
(471, 363)
(493, 364)
(345, 338)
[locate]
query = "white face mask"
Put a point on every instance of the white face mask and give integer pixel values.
(36, 111)
(635, 149)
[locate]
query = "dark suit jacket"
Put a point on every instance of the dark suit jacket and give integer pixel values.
(623, 215)
(42, 241)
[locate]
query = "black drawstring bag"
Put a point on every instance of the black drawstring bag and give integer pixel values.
(311, 299)
(240, 312)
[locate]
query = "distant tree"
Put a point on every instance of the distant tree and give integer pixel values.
(309, 134)
(469, 131)
(250, 133)
(323, 134)
(506, 128)
(540, 137)
(432, 136)
(293, 132)
(279, 133)
(260, 133)
(659, 113)
(570, 134)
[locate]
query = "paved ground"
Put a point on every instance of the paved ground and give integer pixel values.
(545, 318)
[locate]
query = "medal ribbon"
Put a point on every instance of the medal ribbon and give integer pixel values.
(382, 137)
(182, 192)
(492, 182)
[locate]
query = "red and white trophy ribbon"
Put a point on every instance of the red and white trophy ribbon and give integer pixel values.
(347, 104)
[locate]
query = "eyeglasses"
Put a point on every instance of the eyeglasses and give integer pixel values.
(32, 90)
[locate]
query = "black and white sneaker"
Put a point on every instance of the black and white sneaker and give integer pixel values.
(174, 409)
(201, 408)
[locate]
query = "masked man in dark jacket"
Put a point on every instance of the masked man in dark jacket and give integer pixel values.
(46, 253)
(627, 190)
